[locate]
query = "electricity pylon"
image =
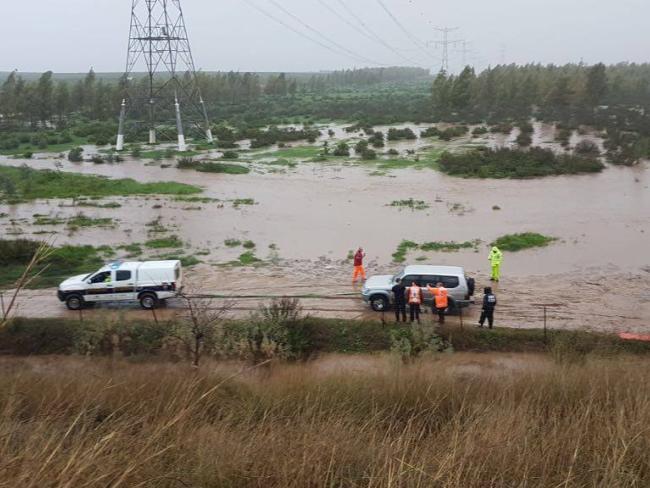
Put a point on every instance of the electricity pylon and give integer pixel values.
(169, 94)
(445, 43)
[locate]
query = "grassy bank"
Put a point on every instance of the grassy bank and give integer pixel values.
(25, 183)
(95, 423)
(300, 338)
(516, 163)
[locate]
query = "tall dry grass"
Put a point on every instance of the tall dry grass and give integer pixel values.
(457, 422)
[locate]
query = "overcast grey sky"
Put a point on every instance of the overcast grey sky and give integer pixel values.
(73, 35)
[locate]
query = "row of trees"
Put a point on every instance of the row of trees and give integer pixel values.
(570, 94)
(554, 92)
(48, 100)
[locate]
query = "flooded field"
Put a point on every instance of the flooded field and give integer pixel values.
(303, 219)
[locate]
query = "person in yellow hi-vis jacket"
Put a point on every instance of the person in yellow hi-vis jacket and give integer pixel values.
(495, 257)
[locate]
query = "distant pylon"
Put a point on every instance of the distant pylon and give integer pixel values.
(169, 96)
(445, 43)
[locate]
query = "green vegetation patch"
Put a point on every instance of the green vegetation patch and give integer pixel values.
(298, 152)
(82, 220)
(25, 183)
(164, 243)
(64, 262)
(525, 240)
(410, 203)
(399, 256)
(516, 163)
(213, 167)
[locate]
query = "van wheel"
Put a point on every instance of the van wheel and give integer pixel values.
(74, 302)
(378, 303)
(148, 301)
(452, 307)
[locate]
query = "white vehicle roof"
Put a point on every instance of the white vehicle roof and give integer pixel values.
(142, 265)
(434, 270)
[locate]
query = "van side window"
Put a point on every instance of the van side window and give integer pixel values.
(101, 277)
(408, 280)
(450, 281)
(122, 276)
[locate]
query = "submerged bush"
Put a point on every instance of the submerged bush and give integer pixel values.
(516, 163)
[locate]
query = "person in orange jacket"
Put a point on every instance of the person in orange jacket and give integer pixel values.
(440, 300)
(358, 266)
(414, 294)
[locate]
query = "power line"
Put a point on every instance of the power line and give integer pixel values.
(293, 29)
(323, 36)
(421, 45)
(366, 31)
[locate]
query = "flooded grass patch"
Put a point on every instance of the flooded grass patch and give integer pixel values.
(410, 203)
(64, 262)
(403, 249)
(516, 163)
(213, 167)
(25, 183)
(287, 153)
(165, 243)
(525, 240)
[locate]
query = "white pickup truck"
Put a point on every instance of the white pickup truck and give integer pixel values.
(147, 282)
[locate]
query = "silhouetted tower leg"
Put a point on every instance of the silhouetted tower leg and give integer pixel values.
(170, 97)
(120, 130)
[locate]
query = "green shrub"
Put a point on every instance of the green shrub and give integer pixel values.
(526, 240)
(515, 163)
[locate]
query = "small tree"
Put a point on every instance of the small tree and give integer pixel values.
(342, 149)
(203, 324)
(76, 154)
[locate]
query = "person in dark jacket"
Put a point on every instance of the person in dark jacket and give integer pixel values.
(489, 304)
(399, 292)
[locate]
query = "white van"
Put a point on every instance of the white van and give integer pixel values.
(147, 282)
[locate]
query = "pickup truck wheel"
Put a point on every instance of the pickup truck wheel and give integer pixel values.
(148, 301)
(379, 303)
(74, 302)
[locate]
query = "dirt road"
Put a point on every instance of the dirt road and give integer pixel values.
(604, 300)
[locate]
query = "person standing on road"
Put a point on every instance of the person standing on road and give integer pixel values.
(489, 304)
(496, 257)
(415, 300)
(358, 266)
(399, 293)
(440, 301)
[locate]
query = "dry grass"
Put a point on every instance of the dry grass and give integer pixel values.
(459, 421)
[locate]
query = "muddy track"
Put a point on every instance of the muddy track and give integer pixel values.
(593, 302)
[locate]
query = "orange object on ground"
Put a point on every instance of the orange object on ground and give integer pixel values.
(441, 295)
(358, 271)
(634, 337)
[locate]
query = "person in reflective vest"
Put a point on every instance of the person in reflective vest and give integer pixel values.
(359, 270)
(495, 257)
(440, 301)
(414, 294)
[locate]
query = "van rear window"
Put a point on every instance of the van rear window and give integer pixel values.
(122, 276)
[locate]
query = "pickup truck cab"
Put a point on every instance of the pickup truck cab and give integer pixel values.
(146, 282)
(377, 289)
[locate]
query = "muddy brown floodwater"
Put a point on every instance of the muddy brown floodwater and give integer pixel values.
(315, 213)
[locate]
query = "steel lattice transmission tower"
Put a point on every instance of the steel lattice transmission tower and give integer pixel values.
(169, 94)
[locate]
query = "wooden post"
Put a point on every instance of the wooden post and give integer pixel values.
(545, 330)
